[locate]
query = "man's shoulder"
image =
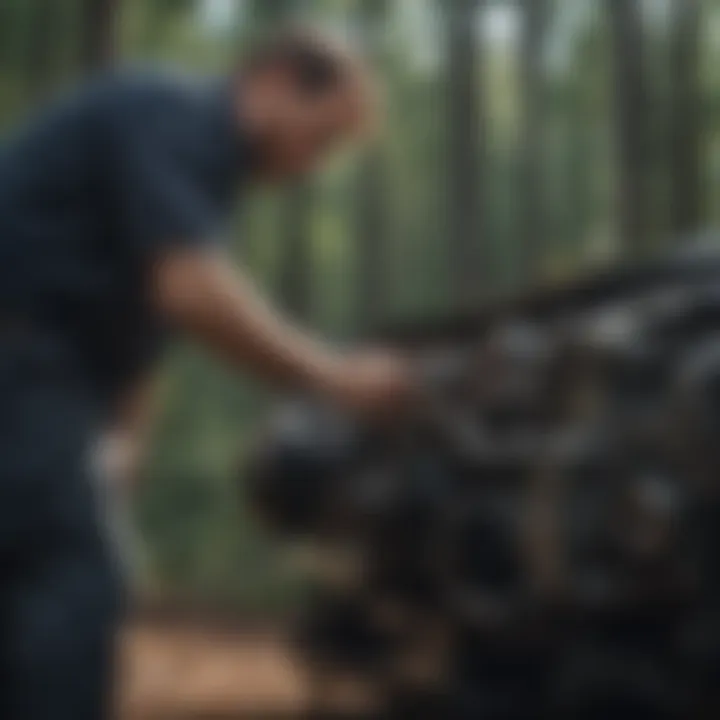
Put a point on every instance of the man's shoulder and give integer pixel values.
(122, 99)
(152, 87)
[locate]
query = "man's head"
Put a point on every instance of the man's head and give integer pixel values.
(302, 95)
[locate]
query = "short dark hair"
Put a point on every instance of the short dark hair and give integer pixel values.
(317, 64)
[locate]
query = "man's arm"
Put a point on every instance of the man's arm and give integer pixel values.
(200, 292)
(170, 220)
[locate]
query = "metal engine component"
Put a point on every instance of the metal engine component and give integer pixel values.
(544, 538)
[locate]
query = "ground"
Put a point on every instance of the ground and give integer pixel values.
(188, 671)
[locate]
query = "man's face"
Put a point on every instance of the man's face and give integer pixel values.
(302, 129)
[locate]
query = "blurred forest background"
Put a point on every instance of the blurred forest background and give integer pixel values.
(527, 140)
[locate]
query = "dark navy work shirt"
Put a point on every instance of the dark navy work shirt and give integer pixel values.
(91, 192)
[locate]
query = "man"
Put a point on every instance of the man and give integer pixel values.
(111, 206)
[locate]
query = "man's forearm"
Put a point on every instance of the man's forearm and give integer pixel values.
(205, 296)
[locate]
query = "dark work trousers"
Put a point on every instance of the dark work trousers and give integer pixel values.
(60, 588)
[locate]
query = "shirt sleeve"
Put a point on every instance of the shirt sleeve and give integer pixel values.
(165, 201)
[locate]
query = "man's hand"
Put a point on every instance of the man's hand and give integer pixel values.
(371, 383)
(124, 443)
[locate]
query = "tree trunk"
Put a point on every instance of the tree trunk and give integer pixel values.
(45, 47)
(468, 262)
(685, 134)
(269, 15)
(371, 215)
(532, 222)
(630, 107)
(295, 278)
(8, 30)
(100, 18)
